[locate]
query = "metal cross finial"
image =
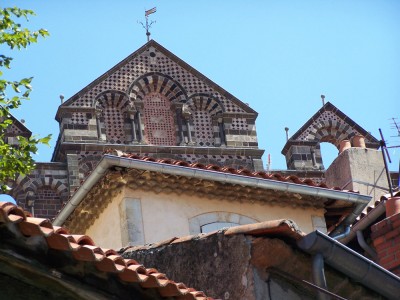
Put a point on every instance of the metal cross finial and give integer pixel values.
(147, 26)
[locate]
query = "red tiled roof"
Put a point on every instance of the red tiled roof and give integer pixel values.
(276, 228)
(224, 169)
(83, 249)
(375, 205)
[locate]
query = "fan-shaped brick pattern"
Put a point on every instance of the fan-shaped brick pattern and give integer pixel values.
(158, 120)
(157, 83)
(153, 61)
(328, 127)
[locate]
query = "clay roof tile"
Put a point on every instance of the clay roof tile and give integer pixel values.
(83, 248)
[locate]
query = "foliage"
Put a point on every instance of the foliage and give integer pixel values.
(15, 159)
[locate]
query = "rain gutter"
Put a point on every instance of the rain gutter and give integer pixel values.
(351, 264)
(109, 161)
(366, 221)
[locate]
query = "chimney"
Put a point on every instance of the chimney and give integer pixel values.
(344, 145)
(386, 236)
(359, 141)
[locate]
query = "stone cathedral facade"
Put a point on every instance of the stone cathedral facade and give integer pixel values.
(152, 104)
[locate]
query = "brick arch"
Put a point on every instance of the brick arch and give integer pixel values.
(113, 106)
(87, 165)
(155, 82)
(205, 102)
(326, 132)
(204, 109)
(48, 193)
(113, 98)
(55, 184)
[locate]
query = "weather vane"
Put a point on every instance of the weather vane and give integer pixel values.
(148, 25)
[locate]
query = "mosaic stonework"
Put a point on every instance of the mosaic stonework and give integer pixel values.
(144, 63)
(328, 127)
(239, 124)
(79, 119)
(203, 128)
(158, 120)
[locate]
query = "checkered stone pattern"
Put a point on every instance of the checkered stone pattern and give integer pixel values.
(114, 125)
(79, 118)
(204, 110)
(240, 132)
(14, 130)
(204, 134)
(159, 124)
(152, 60)
(239, 124)
(328, 127)
(113, 107)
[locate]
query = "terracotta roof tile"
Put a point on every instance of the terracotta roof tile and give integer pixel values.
(277, 228)
(83, 249)
(374, 205)
(283, 227)
(244, 172)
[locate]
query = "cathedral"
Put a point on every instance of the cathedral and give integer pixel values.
(154, 153)
(153, 104)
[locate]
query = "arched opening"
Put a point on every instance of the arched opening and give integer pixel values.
(206, 228)
(329, 152)
(216, 220)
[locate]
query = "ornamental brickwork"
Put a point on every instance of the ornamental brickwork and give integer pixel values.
(152, 104)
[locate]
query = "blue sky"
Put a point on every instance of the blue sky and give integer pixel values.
(278, 56)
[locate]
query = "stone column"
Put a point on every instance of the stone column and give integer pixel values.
(221, 128)
(139, 125)
(131, 115)
(178, 116)
(98, 122)
(187, 116)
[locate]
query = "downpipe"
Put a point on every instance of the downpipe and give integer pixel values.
(318, 274)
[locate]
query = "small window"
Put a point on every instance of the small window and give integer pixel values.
(216, 226)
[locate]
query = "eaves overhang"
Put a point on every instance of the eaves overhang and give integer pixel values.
(109, 161)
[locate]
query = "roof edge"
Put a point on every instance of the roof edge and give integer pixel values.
(108, 161)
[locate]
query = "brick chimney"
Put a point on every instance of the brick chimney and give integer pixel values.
(386, 236)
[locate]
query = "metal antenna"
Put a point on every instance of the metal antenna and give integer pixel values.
(384, 150)
(396, 126)
(147, 26)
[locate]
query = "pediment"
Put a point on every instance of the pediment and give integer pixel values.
(152, 64)
(331, 125)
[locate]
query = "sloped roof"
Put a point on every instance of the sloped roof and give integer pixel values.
(228, 183)
(329, 107)
(76, 253)
(171, 56)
